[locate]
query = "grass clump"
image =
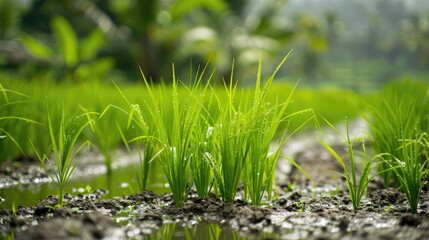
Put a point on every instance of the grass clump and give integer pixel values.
(231, 139)
(399, 112)
(65, 152)
(411, 170)
(203, 138)
(9, 120)
(103, 133)
(357, 183)
(398, 122)
(243, 135)
(145, 141)
(265, 119)
(176, 127)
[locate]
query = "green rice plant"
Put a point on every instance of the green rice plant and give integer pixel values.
(40, 97)
(394, 115)
(412, 170)
(65, 152)
(176, 122)
(147, 145)
(231, 137)
(10, 121)
(103, 133)
(200, 168)
(243, 136)
(202, 143)
(146, 154)
(264, 119)
(357, 184)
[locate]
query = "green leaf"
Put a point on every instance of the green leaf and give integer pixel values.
(36, 47)
(90, 45)
(67, 40)
(181, 8)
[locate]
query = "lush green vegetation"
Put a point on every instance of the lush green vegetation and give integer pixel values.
(201, 135)
(52, 40)
(211, 130)
(66, 155)
(398, 121)
(397, 117)
(213, 138)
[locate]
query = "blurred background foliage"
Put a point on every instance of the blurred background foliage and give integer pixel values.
(354, 43)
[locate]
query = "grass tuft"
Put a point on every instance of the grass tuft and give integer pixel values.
(66, 155)
(357, 184)
(411, 170)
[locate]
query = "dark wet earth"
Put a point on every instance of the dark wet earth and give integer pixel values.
(297, 215)
(304, 210)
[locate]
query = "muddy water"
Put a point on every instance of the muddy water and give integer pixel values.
(122, 183)
(204, 231)
(27, 183)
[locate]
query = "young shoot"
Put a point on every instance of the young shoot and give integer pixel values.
(147, 145)
(7, 107)
(396, 113)
(102, 133)
(203, 140)
(145, 148)
(264, 120)
(412, 170)
(357, 184)
(175, 121)
(66, 153)
(231, 138)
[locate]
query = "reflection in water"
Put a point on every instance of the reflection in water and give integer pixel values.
(122, 183)
(203, 231)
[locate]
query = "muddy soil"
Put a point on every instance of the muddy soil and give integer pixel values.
(301, 213)
(304, 210)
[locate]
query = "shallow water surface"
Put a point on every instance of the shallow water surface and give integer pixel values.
(204, 231)
(123, 182)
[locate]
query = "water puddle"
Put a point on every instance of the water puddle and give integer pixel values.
(203, 231)
(122, 183)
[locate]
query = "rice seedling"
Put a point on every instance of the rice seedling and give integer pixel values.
(8, 106)
(147, 144)
(103, 137)
(200, 168)
(242, 137)
(395, 115)
(145, 150)
(175, 120)
(103, 133)
(203, 142)
(231, 139)
(66, 153)
(357, 184)
(411, 170)
(264, 121)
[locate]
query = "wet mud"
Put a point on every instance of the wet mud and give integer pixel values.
(301, 215)
(319, 209)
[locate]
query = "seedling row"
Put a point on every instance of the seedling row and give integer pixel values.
(216, 138)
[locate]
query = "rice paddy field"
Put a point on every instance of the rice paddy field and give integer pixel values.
(197, 159)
